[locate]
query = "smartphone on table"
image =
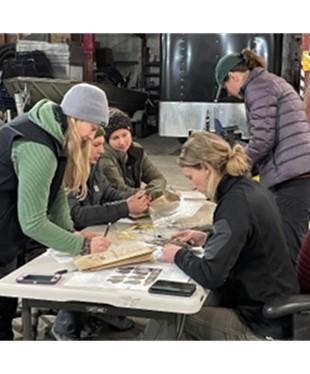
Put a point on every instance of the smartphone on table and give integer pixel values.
(166, 287)
(38, 278)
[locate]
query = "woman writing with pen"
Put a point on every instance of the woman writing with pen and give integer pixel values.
(43, 152)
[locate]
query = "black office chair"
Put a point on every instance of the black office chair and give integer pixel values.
(296, 307)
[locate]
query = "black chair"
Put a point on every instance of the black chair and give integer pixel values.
(296, 307)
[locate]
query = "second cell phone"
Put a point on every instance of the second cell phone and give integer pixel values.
(173, 288)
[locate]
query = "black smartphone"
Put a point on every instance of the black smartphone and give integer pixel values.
(166, 287)
(38, 278)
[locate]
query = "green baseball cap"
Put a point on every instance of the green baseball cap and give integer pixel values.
(223, 67)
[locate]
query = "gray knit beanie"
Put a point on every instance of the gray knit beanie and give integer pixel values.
(86, 102)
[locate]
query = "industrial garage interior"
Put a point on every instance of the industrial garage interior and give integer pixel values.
(167, 84)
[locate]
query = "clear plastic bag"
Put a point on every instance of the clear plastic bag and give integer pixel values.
(182, 214)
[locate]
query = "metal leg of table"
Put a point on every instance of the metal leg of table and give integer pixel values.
(180, 321)
(174, 321)
(26, 320)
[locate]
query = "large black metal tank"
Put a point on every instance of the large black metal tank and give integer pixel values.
(188, 61)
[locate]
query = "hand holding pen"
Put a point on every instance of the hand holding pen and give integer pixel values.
(101, 243)
(107, 229)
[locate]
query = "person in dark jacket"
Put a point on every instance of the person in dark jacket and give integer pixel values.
(125, 163)
(42, 152)
(103, 203)
(246, 261)
(279, 146)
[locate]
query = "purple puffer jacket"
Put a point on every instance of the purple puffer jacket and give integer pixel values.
(279, 143)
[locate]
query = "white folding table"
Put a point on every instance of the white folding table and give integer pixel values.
(96, 297)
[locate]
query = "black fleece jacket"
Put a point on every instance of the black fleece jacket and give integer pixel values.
(246, 257)
(103, 203)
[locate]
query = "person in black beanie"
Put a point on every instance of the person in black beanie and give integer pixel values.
(124, 162)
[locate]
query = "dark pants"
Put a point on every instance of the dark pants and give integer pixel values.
(8, 306)
(293, 199)
(68, 323)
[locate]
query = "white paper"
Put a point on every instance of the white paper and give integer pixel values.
(60, 257)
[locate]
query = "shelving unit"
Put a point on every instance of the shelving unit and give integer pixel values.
(151, 73)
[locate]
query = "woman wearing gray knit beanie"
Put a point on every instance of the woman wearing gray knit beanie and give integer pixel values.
(43, 152)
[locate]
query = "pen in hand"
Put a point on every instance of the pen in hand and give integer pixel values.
(107, 229)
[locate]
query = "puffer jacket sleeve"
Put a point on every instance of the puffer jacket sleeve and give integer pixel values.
(261, 102)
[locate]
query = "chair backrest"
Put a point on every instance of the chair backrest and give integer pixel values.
(296, 307)
(303, 265)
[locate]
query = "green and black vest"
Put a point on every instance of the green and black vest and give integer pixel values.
(12, 239)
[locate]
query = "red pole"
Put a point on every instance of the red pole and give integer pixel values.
(89, 57)
(306, 69)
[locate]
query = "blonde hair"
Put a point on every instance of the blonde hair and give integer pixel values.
(203, 146)
(77, 168)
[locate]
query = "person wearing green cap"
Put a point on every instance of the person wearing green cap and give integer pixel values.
(279, 145)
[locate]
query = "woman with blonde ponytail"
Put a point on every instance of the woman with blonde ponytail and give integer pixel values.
(245, 262)
(44, 153)
(279, 137)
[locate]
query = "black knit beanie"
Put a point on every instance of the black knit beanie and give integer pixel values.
(118, 120)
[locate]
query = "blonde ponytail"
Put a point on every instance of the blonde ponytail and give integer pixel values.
(206, 146)
(237, 162)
